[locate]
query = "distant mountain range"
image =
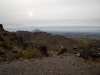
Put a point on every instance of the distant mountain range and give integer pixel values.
(71, 28)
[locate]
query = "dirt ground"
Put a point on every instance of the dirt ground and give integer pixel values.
(58, 65)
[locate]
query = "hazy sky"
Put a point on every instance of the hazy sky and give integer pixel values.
(20, 14)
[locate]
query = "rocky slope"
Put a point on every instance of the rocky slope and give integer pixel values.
(53, 42)
(12, 45)
(18, 43)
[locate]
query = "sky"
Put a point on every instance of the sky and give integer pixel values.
(30, 14)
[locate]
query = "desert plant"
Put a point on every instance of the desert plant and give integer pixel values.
(6, 45)
(92, 42)
(83, 46)
(32, 53)
(15, 56)
(66, 53)
(13, 33)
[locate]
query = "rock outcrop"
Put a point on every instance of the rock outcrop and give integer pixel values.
(13, 46)
(92, 52)
(62, 51)
(43, 50)
(1, 27)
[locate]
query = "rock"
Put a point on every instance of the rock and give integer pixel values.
(92, 52)
(14, 51)
(78, 55)
(4, 34)
(95, 53)
(2, 53)
(43, 50)
(2, 59)
(86, 54)
(62, 51)
(1, 39)
(1, 27)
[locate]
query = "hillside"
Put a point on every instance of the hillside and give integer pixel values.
(13, 46)
(53, 42)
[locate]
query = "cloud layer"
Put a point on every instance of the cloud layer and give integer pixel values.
(23, 13)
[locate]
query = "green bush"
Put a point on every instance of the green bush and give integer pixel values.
(34, 53)
(13, 33)
(66, 53)
(6, 45)
(30, 53)
(92, 42)
(83, 46)
(15, 56)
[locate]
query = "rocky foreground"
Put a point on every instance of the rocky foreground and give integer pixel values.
(59, 65)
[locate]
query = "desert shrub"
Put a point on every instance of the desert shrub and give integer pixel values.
(13, 33)
(83, 46)
(15, 56)
(92, 42)
(32, 53)
(6, 45)
(66, 53)
(16, 37)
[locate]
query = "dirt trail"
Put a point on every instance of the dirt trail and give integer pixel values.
(66, 65)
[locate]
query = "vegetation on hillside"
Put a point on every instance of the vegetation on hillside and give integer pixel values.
(28, 54)
(88, 44)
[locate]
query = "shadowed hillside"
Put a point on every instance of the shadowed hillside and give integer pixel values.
(13, 46)
(53, 42)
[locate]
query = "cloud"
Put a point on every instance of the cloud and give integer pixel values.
(16, 13)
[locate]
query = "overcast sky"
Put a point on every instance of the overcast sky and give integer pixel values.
(20, 14)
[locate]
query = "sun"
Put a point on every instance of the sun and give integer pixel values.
(30, 14)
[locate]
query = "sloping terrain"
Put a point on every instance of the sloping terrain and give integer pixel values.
(53, 42)
(13, 46)
(9, 43)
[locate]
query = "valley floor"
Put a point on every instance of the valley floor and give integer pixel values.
(59, 65)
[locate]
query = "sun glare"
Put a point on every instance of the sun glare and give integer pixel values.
(30, 14)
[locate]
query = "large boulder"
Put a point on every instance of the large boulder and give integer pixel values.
(92, 52)
(86, 53)
(95, 53)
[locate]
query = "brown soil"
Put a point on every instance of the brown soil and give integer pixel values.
(59, 65)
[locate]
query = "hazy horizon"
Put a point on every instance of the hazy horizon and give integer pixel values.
(48, 14)
(60, 29)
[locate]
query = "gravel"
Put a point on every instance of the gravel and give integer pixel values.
(65, 65)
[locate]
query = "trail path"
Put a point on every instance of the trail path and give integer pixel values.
(66, 65)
